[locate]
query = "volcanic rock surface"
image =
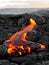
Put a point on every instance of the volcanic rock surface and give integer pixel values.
(9, 24)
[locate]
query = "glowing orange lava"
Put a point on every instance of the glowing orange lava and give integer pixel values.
(42, 46)
(11, 48)
(21, 35)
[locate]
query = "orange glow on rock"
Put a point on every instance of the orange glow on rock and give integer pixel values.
(24, 37)
(32, 21)
(20, 53)
(42, 46)
(21, 47)
(20, 35)
(11, 48)
(29, 49)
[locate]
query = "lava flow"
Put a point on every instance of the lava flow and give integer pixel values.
(17, 42)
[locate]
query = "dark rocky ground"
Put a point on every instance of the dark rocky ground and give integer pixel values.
(9, 24)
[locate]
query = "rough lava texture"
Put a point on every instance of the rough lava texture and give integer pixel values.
(9, 24)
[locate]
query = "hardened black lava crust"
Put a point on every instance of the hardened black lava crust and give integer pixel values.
(9, 24)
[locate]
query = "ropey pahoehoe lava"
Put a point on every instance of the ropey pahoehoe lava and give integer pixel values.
(18, 43)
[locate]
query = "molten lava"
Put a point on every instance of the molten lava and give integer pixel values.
(11, 48)
(14, 44)
(42, 46)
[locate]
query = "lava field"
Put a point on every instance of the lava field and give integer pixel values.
(10, 24)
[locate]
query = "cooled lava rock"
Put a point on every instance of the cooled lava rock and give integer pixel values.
(9, 24)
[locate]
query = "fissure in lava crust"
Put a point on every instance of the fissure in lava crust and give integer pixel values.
(13, 43)
(24, 39)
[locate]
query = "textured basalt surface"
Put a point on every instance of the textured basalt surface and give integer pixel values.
(9, 24)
